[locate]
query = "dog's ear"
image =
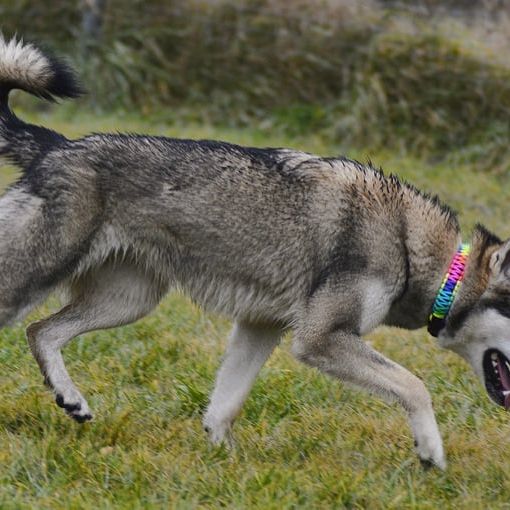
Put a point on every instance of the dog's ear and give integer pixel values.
(500, 263)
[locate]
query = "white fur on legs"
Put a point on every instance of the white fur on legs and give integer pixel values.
(249, 348)
(45, 339)
(429, 445)
(111, 296)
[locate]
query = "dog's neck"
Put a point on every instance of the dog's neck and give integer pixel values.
(448, 291)
(475, 280)
(428, 263)
(432, 237)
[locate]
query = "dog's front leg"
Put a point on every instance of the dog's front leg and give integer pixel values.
(248, 349)
(349, 358)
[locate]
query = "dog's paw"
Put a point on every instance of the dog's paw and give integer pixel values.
(427, 439)
(430, 451)
(75, 406)
(218, 431)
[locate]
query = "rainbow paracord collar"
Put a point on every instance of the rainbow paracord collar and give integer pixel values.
(448, 290)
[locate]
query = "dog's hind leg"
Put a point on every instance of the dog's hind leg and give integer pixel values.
(43, 235)
(111, 296)
(249, 348)
(347, 357)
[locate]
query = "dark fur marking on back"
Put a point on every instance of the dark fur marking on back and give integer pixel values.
(26, 144)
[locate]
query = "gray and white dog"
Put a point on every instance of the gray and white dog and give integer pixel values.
(276, 239)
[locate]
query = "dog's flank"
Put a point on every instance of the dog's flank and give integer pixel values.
(275, 238)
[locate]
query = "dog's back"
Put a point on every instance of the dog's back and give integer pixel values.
(249, 232)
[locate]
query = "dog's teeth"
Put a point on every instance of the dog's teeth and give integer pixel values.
(506, 392)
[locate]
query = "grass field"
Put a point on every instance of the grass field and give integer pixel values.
(302, 441)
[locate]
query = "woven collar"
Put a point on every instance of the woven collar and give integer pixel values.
(448, 290)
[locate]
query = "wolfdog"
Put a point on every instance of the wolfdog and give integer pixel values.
(276, 239)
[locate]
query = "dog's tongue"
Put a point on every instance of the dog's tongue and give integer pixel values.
(505, 381)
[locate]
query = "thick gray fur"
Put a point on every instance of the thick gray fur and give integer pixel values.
(276, 239)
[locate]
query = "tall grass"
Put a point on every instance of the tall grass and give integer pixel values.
(362, 73)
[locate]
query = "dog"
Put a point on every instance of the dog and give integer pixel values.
(276, 239)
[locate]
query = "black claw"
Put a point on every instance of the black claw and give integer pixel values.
(426, 464)
(59, 399)
(81, 418)
(207, 429)
(47, 383)
(72, 407)
(415, 443)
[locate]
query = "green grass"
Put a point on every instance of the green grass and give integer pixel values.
(302, 440)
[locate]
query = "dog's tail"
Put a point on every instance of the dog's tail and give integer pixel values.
(26, 67)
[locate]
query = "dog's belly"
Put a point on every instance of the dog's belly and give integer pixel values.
(239, 300)
(218, 283)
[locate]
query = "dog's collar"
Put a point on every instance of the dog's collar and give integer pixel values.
(448, 290)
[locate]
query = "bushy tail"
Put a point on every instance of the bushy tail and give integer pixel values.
(23, 66)
(26, 67)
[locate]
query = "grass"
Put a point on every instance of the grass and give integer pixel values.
(302, 440)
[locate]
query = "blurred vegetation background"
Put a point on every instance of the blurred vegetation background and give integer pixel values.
(426, 76)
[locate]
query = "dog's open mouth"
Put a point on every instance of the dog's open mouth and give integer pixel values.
(496, 368)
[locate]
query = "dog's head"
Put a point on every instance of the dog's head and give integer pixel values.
(478, 326)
